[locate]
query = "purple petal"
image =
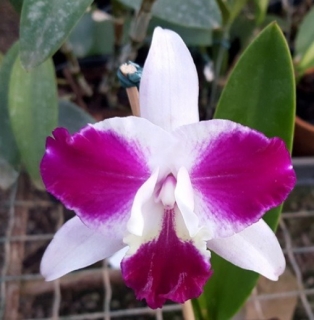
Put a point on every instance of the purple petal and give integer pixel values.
(255, 248)
(169, 85)
(98, 171)
(75, 246)
(166, 268)
(237, 173)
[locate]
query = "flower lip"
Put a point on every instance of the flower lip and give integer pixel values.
(166, 267)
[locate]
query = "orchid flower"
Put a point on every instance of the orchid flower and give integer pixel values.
(166, 186)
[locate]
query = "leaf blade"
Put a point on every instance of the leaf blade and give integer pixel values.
(260, 93)
(33, 112)
(45, 25)
(8, 146)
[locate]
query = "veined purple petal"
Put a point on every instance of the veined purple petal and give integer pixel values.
(98, 171)
(255, 248)
(169, 85)
(237, 173)
(166, 267)
(76, 246)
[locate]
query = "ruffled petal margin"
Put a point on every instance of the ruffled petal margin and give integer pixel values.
(167, 267)
(169, 85)
(237, 173)
(256, 248)
(76, 246)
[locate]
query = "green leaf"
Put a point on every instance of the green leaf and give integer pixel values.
(17, 4)
(72, 117)
(260, 93)
(203, 14)
(44, 27)
(90, 37)
(8, 147)
(33, 110)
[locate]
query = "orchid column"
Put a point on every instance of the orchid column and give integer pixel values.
(166, 186)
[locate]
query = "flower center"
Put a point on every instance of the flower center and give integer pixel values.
(166, 194)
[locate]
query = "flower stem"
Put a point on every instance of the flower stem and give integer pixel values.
(187, 310)
(129, 75)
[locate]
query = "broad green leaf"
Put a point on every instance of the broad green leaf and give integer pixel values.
(90, 37)
(72, 117)
(203, 14)
(261, 8)
(260, 93)
(17, 4)
(191, 36)
(8, 147)
(33, 110)
(44, 27)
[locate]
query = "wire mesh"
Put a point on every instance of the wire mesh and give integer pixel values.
(29, 219)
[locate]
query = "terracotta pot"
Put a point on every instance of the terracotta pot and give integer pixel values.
(303, 144)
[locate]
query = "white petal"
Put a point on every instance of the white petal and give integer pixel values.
(75, 246)
(256, 248)
(169, 84)
(151, 214)
(185, 201)
(135, 224)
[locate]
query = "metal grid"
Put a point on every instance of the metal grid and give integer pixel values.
(16, 284)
